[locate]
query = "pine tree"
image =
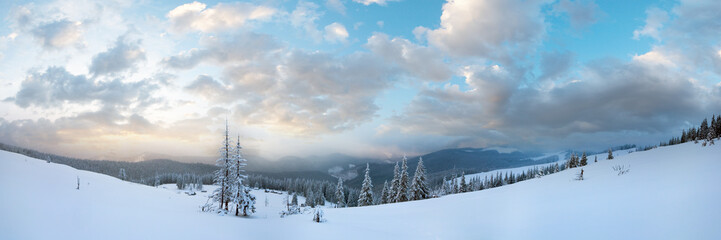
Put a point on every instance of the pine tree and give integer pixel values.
(463, 186)
(122, 175)
(402, 194)
(419, 188)
(222, 193)
(310, 199)
(717, 127)
(366, 195)
(243, 200)
(573, 161)
(703, 130)
(710, 136)
(584, 160)
(610, 154)
(395, 184)
(340, 197)
(385, 194)
(294, 202)
(445, 187)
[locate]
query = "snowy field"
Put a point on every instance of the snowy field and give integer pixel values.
(562, 160)
(669, 193)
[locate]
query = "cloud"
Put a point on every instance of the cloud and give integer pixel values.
(239, 49)
(418, 61)
(609, 97)
(582, 13)
(301, 93)
(369, 2)
(335, 32)
(58, 34)
(118, 58)
(484, 29)
(223, 16)
(654, 22)
(56, 86)
(205, 86)
(336, 5)
(304, 16)
(555, 64)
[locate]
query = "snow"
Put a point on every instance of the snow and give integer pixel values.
(561, 156)
(669, 193)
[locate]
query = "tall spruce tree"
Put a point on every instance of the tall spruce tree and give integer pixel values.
(339, 195)
(718, 126)
(419, 188)
(463, 186)
(703, 130)
(610, 154)
(402, 194)
(222, 193)
(394, 184)
(243, 200)
(584, 160)
(366, 195)
(385, 196)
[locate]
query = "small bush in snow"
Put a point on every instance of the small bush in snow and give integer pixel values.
(579, 176)
(318, 215)
(621, 170)
(292, 210)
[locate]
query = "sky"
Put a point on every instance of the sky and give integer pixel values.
(127, 80)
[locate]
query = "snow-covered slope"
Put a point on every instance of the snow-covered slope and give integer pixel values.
(562, 160)
(669, 193)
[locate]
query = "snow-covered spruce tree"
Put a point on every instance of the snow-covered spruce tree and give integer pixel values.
(419, 188)
(703, 129)
(584, 159)
(403, 182)
(463, 187)
(222, 193)
(122, 174)
(294, 201)
(717, 126)
(310, 199)
(610, 154)
(394, 184)
(444, 187)
(385, 193)
(339, 196)
(710, 137)
(366, 195)
(243, 200)
(573, 161)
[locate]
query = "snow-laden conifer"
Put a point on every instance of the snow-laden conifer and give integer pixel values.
(403, 182)
(243, 200)
(610, 154)
(222, 193)
(394, 184)
(584, 159)
(419, 188)
(339, 196)
(366, 195)
(385, 196)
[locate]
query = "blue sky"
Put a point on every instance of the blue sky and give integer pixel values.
(131, 79)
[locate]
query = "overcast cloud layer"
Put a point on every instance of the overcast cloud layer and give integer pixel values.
(125, 79)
